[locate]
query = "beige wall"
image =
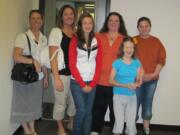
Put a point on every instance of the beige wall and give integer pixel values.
(13, 20)
(165, 19)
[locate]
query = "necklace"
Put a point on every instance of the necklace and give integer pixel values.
(112, 37)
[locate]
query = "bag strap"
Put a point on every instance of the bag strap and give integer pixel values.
(54, 54)
(29, 44)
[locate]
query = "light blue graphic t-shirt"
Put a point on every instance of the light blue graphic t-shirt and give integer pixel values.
(125, 74)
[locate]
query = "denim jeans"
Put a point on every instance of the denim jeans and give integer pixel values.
(83, 103)
(145, 96)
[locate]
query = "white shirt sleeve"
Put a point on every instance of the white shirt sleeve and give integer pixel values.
(55, 37)
(21, 41)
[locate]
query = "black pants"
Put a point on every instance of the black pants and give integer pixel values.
(103, 99)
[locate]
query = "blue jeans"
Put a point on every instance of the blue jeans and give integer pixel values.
(145, 96)
(83, 103)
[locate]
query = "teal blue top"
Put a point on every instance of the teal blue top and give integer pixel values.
(125, 74)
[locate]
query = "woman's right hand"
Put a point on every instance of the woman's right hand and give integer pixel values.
(132, 86)
(37, 65)
(149, 77)
(87, 89)
(59, 84)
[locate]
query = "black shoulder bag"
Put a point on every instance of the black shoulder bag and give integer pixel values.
(25, 73)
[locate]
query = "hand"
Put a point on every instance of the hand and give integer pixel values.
(37, 65)
(132, 86)
(138, 83)
(87, 89)
(59, 84)
(149, 77)
(45, 83)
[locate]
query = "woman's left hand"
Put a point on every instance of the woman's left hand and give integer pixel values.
(149, 77)
(138, 83)
(87, 89)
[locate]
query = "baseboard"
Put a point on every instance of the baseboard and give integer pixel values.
(158, 127)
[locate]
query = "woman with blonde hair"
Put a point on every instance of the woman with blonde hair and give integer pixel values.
(27, 98)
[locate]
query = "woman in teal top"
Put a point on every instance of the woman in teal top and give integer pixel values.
(126, 76)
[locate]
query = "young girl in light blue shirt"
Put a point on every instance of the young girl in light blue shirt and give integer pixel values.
(126, 76)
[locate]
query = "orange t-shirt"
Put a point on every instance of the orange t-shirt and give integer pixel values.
(109, 54)
(151, 52)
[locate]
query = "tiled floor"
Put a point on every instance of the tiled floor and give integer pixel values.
(45, 127)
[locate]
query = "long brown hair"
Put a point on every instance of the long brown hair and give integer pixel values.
(122, 28)
(60, 16)
(80, 32)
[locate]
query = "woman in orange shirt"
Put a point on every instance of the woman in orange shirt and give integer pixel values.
(111, 36)
(152, 55)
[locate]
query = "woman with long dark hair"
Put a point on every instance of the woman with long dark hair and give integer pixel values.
(111, 36)
(85, 65)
